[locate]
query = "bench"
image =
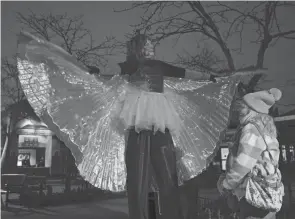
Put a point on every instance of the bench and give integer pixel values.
(23, 185)
(12, 183)
(36, 183)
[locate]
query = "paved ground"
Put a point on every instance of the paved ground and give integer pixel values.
(104, 209)
(107, 209)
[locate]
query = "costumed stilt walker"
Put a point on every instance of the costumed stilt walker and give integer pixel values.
(173, 118)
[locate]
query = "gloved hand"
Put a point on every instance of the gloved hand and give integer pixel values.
(220, 187)
(93, 70)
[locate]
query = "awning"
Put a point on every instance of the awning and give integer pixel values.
(33, 131)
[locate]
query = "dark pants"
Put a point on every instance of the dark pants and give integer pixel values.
(189, 195)
(147, 155)
(248, 211)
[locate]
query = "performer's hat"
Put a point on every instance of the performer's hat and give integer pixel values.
(262, 101)
(140, 46)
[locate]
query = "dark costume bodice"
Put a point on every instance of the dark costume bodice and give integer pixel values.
(149, 74)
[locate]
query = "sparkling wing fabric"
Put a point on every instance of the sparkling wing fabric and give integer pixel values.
(204, 109)
(82, 111)
(77, 108)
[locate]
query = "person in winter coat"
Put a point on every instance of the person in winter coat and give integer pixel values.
(248, 153)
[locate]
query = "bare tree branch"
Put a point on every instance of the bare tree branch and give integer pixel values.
(70, 33)
(11, 90)
(72, 36)
(264, 15)
(204, 61)
(190, 17)
(194, 18)
(284, 34)
(199, 9)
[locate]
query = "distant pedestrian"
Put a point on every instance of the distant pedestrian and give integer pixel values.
(253, 179)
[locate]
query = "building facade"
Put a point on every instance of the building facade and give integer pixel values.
(35, 150)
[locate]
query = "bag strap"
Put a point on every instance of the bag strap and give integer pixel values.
(258, 179)
(267, 148)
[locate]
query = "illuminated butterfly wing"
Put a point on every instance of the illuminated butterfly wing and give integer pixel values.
(77, 107)
(80, 109)
(204, 110)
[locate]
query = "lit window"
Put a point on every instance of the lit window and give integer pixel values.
(292, 155)
(284, 153)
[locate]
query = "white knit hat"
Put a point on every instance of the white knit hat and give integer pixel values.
(262, 101)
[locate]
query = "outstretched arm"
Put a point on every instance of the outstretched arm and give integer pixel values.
(178, 72)
(212, 76)
(198, 76)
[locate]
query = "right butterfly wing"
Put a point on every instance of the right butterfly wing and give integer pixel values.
(203, 108)
(79, 108)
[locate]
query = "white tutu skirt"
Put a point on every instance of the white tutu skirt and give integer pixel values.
(91, 115)
(144, 110)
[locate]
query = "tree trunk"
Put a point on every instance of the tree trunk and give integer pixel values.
(69, 171)
(261, 52)
(260, 61)
(199, 9)
(68, 182)
(253, 82)
(4, 152)
(5, 148)
(229, 58)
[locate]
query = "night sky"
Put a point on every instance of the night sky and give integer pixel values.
(102, 21)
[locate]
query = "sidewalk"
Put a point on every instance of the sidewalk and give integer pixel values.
(106, 209)
(103, 209)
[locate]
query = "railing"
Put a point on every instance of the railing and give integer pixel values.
(23, 185)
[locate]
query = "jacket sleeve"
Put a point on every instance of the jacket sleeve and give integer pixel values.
(198, 75)
(179, 72)
(173, 71)
(249, 151)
